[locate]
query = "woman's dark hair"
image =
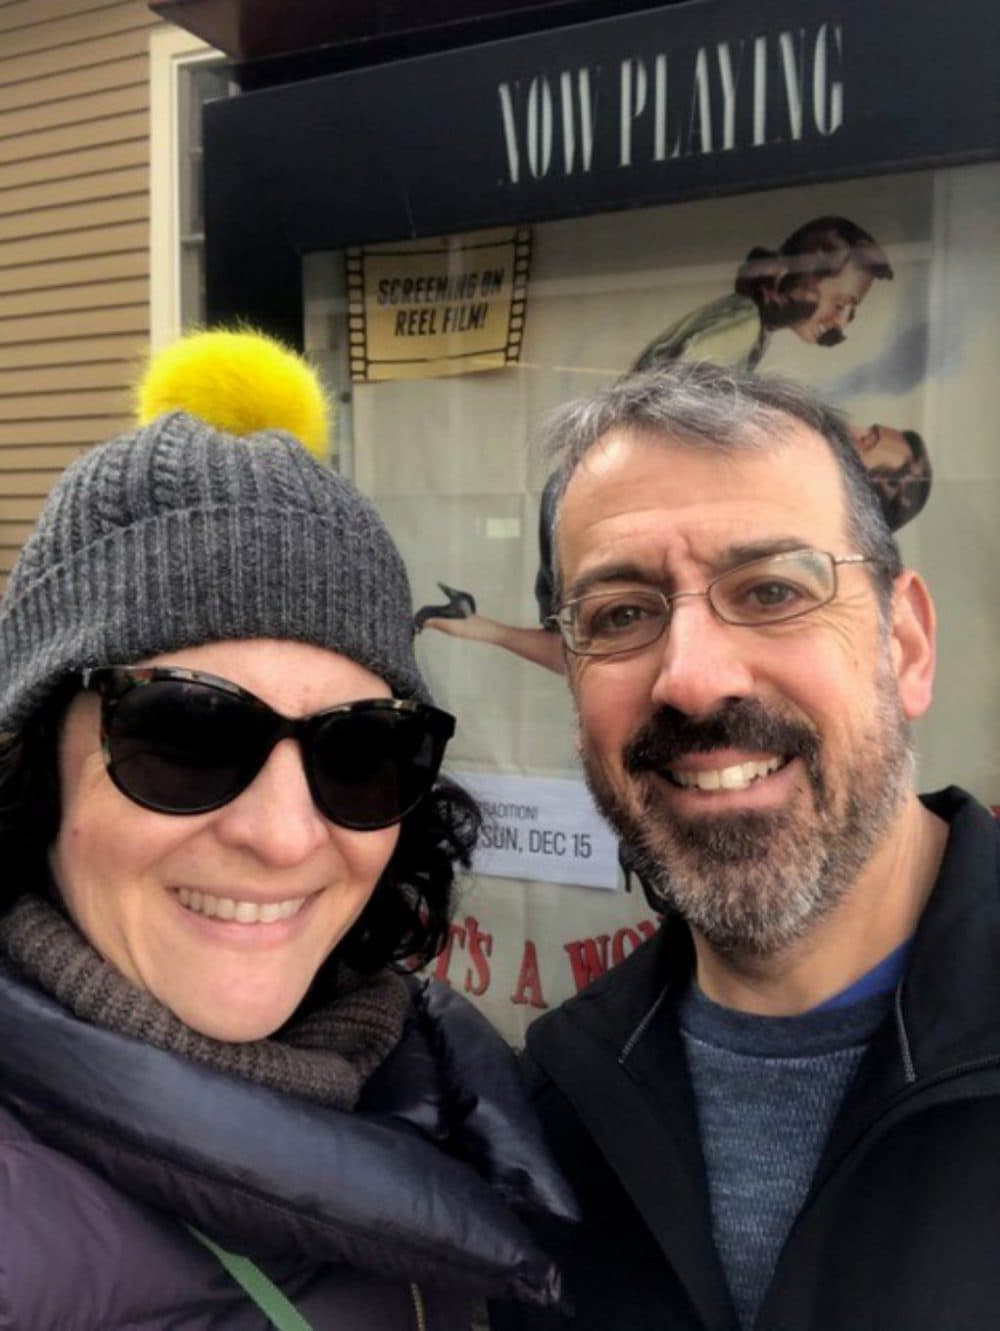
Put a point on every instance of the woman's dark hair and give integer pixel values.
(405, 922)
(778, 281)
(29, 797)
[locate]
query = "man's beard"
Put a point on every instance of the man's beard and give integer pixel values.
(754, 882)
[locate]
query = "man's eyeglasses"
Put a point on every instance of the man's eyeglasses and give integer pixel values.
(763, 591)
(183, 742)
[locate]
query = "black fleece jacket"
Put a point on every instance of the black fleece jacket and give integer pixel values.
(901, 1227)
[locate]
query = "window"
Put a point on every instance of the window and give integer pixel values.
(184, 75)
(447, 462)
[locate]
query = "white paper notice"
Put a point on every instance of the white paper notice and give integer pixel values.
(541, 827)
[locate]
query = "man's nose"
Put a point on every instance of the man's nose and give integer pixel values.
(275, 818)
(702, 662)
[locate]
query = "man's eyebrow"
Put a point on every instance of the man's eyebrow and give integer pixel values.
(624, 571)
(731, 556)
(743, 552)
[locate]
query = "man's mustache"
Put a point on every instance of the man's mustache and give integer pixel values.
(742, 723)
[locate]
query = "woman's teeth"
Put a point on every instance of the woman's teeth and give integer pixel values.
(243, 912)
(737, 777)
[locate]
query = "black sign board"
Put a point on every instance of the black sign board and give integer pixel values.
(672, 103)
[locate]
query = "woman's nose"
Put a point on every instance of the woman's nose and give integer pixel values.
(276, 817)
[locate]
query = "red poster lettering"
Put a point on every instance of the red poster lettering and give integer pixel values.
(588, 958)
(619, 951)
(480, 946)
(529, 982)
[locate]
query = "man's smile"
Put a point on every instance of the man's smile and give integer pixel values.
(735, 776)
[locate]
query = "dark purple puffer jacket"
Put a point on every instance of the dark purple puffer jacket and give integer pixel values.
(396, 1216)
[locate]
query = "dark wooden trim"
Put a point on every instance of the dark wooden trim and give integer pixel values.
(417, 147)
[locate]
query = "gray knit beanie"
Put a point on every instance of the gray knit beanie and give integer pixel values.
(178, 535)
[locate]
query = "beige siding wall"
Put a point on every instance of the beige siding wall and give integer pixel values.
(74, 237)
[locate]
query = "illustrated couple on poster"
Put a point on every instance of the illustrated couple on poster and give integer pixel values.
(812, 286)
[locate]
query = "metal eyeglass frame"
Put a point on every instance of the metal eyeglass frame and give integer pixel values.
(565, 628)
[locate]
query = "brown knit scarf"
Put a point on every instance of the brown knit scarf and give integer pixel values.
(325, 1056)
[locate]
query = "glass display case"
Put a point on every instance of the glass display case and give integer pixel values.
(446, 451)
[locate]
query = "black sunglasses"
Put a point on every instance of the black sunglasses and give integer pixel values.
(180, 741)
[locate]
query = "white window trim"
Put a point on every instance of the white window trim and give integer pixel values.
(170, 49)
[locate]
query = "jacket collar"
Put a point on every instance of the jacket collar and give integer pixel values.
(944, 1015)
(947, 1002)
(644, 1119)
(950, 994)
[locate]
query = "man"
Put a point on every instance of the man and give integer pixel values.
(899, 468)
(784, 1110)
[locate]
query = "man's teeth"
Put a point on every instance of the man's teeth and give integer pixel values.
(243, 912)
(738, 777)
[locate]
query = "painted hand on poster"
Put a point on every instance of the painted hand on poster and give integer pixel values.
(813, 285)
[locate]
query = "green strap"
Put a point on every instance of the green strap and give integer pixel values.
(267, 1296)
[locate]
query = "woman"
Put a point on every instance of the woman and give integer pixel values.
(812, 285)
(222, 1105)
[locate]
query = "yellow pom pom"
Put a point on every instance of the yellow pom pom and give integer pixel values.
(239, 382)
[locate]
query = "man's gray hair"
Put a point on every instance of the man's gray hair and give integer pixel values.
(704, 405)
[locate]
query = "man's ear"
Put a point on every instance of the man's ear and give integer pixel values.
(912, 642)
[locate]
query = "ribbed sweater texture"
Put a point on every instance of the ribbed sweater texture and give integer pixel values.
(767, 1090)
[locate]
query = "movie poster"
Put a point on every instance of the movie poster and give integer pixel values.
(879, 292)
